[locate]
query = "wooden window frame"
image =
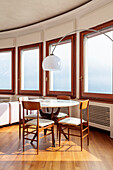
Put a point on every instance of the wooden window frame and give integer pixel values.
(31, 92)
(12, 91)
(82, 94)
(73, 68)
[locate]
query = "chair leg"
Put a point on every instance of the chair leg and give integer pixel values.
(57, 130)
(68, 134)
(20, 121)
(59, 134)
(23, 139)
(88, 137)
(33, 138)
(53, 138)
(45, 131)
(37, 141)
(81, 139)
(81, 143)
(19, 130)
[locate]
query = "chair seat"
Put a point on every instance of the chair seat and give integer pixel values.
(71, 121)
(42, 122)
(32, 116)
(61, 115)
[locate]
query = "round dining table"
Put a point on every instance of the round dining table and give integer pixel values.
(54, 103)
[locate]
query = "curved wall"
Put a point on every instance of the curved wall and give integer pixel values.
(44, 33)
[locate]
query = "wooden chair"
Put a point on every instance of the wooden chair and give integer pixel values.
(28, 115)
(61, 115)
(35, 125)
(76, 123)
(20, 114)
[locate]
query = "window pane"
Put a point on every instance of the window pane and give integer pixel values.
(61, 80)
(30, 69)
(6, 70)
(98, 64)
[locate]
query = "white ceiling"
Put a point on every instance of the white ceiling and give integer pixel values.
(16, 15)
(20, 13)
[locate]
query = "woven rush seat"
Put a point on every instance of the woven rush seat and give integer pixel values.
(42, 122)
(61, 115)
(71, 121)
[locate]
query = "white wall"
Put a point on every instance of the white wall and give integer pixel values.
(59, 30)
(7, 43)
(29, 39)
(96, 17)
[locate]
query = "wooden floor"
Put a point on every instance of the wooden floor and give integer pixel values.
(98, 155)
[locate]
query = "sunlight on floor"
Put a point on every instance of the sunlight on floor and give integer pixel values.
(67, 150)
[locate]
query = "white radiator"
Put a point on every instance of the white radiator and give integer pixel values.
(99, 116)
(5, 99)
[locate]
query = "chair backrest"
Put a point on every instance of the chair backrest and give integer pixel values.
(28, 105)
(84, 105)
(64, 97)
(22, 99)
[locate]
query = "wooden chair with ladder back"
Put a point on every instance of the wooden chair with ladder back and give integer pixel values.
(28, 115)
(37, 125)
(57, 115)
(20, 114)
(76, 124)
(62, 115)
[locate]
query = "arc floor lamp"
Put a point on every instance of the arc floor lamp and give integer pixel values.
(54, 63)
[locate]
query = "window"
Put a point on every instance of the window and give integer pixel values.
(30, 69)
(97, 64)
(7, 71)
(61, 82)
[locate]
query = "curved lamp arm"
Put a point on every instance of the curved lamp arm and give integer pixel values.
(54, 63)
(97, 31)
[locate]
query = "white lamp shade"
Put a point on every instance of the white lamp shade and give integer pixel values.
(52, 63)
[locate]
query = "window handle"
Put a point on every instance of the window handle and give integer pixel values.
(46, 78)
(81, 78)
